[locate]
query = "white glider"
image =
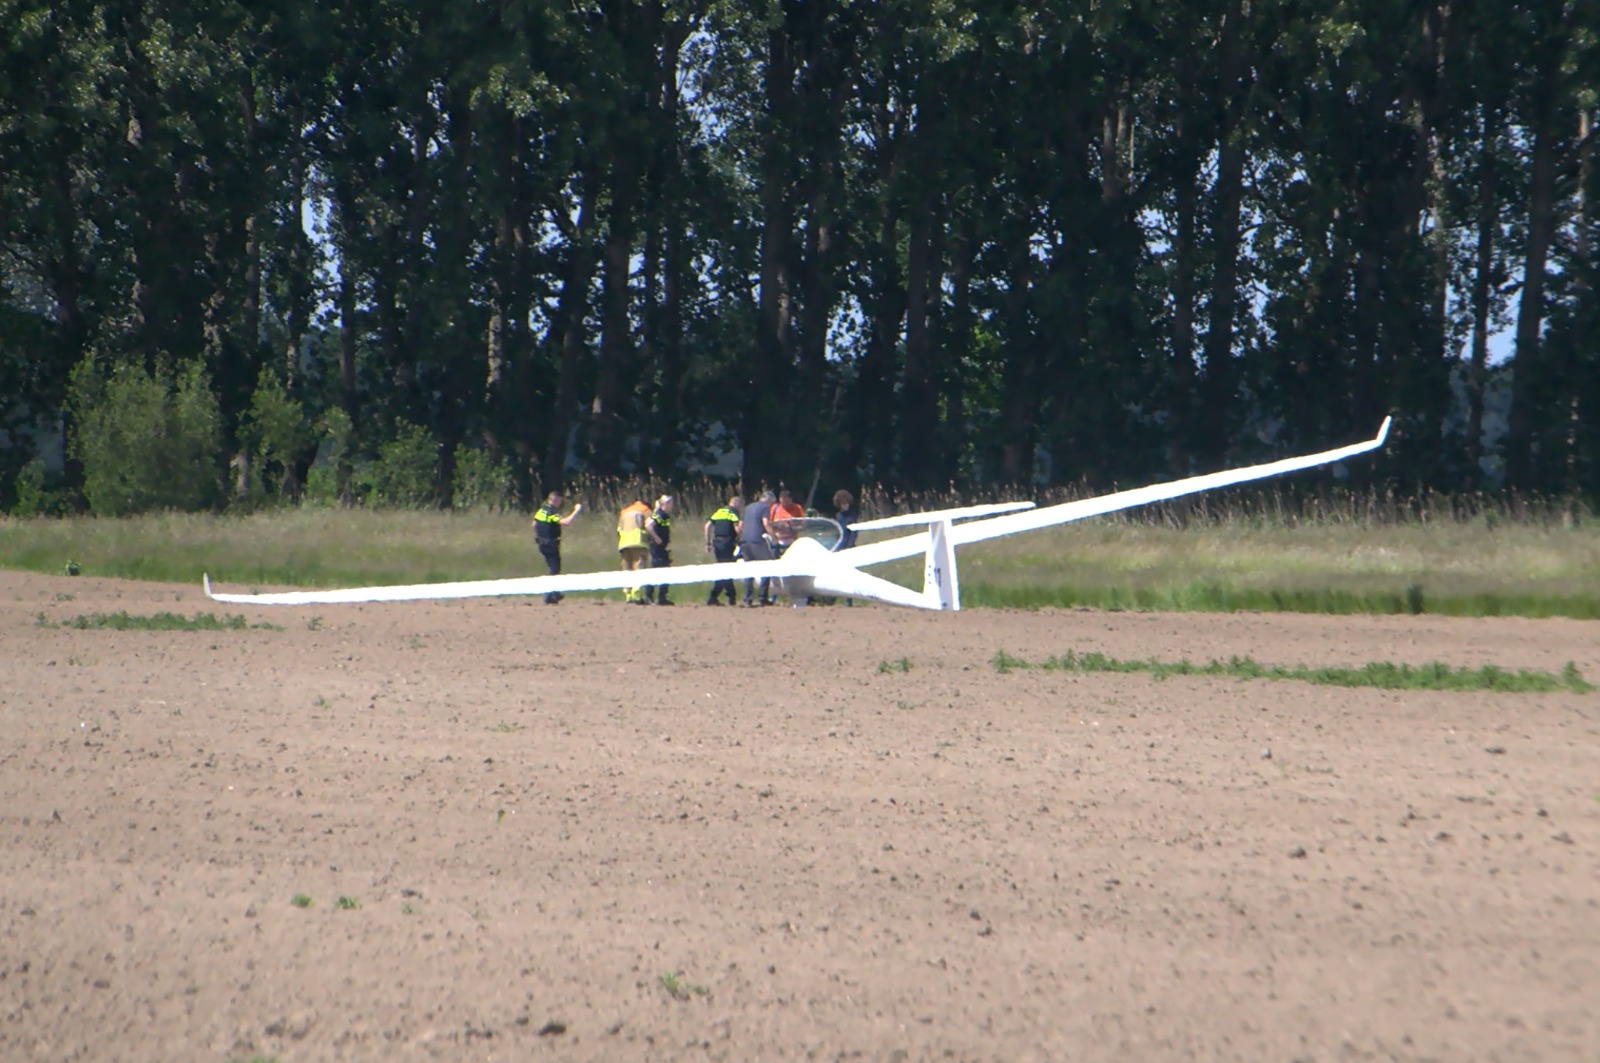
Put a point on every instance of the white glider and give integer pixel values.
(808, 568)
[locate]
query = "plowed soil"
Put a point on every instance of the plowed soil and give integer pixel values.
(598, 832)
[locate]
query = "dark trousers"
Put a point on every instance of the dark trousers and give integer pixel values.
(551, 552)
(757, 550)
(660, 557)
(723, 552)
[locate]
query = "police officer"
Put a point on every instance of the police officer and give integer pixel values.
(547, 525)
(658, 530)
(722, 539)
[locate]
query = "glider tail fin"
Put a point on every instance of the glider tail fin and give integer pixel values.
(941, 585)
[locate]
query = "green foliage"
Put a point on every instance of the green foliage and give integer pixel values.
(405, 474)
(1302, 199)
(678, 988)
(902, 666)
(146, 440)
(301, 900)
(33, 499)
(124, 621)
(276, 431)
(1383, 675)
(329, 480)
(481, 481)
(1004, 663)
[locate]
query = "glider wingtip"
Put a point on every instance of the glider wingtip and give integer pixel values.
(1383, 430)
(205, 579)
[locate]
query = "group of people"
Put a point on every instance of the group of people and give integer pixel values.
(760, 531)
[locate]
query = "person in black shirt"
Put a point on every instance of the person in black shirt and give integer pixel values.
(547, 525)
(753, 544)
(722, 539)
(658, 533)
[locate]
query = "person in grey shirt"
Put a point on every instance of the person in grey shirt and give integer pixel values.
(754, 545)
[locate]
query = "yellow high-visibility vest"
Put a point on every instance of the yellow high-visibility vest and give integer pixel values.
(630, 526)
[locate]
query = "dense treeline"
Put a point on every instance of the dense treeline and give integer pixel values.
(967, 241)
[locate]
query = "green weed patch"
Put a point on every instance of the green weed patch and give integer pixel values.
(1384, 675)
(124, 621)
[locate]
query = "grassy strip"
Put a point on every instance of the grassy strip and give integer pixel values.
(1384, 675)
(1479, 568)
(124, 621)
(1212, 597)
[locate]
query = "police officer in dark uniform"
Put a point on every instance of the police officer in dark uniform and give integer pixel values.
(658, 532)
(722, 539)
(547, 525)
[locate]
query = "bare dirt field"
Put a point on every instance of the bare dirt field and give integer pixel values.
(599, 832)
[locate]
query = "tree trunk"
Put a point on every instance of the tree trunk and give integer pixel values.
(1573, 372)
(957, 338)
(299, 281)
(919, 412)
(572, 308)
(1218, 383)
(1530, 308)
(671, 223)
(1488, 221)
(874, 424)
(1019, 398)
(251, 322)
(766, 408)
(607, 425)
(1181, 393)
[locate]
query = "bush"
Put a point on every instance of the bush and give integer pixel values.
(275, 431)
(146, 441)
(481, 481)
(33, 498)
(328, 482)
(406, 471)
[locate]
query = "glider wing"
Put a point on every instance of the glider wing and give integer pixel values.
(564, 584)
(810, 562)
(1030, 520)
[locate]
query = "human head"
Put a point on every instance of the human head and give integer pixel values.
(785, 496)
(554, 498)
(735, 502)
(843, 499)
(664, 503)
(768, 496)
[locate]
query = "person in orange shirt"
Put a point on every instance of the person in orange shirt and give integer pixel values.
(631, 545)
(785, 508)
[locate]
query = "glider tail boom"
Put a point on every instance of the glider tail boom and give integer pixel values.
(941, 585)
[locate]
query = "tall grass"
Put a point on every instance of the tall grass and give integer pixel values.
(1276, 506)
(1276, 551)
